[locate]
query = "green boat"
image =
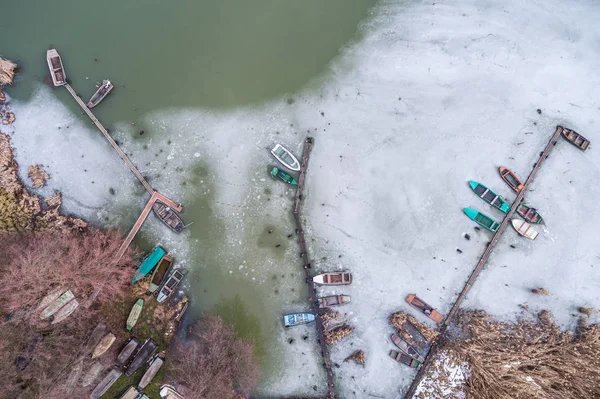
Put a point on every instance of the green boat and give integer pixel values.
(134, 315)
(481, 219)
(489, 196)
(286, 177)
(148, 264)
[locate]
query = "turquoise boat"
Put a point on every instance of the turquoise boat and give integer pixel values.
(297, 319)
(148, 264)
(286, 177)
(481, 219)
(489, 196)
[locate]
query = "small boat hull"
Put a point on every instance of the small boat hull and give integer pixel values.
(481, 219)
(426, 309)
(106, 383)
(127, 351)
(160, 272)
(511, 179)
(337, 278)
(170, 285)
(92, 374)
(150, 373)
(134, 315)
(57, 304)
(286, 158)
(413, 336)
(405, 347)
(50, 297)
(65, 311)
(55, 65)
(105, 88)
(489, 196)
(141, 356)
(284, 176)
(333, 300)
(168, 216)
(169, 392)
(530, 215)
(575, 138)
(297, 319)
(148, 264)
(105, 343)
(405, 359)
(524, 229)
(131, 393)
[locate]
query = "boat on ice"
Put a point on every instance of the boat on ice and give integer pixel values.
(575, 138)
(65, 311)
(57, 304)
(105, 343)
(333, 300)
(286, 158)
(99, 95)
(426, 309)
(155, 365)
(141, 357)
(168, 216)
(297, 319)
(407, 348)
(413, 336)
(169, 286)
(510, 178)
(125, 354)
(530, 215)
(482, 220)
(160, 272)
(489, 196)
(131, 393)
(106, 383)
(148, 264)
(286, 177)
(336, 278)
(403, 358)
(524, 229)
(57, 71)
(134, 315)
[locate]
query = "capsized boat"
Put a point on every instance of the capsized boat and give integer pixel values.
(128, 350)
(333, 300)
(106, 383)
(105, 343)
(141, 356)
(297, 319)
(407, 348)
(336, 278)
(65, 311)
(286, 158)
(99, 95)
(168, 216)
(489, 196)
(524, 229)
(74, 375)
(148, 264)
(169, 286)
(426, 309)
(482, 220)
(510, 178)
(93, 372)
(403, 358)
(286, 177)
(531, 215)
(134, 315)
(160, 272)
(57, 71)
(131, 393)
(155, 365)
(575, 138)
(50, 297)
(94, 338)
(57, 304)
(169, 392)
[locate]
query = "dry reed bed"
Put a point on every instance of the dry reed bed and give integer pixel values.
(8, 70)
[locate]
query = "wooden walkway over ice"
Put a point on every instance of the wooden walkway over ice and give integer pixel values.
(482, 261)
(307, 269)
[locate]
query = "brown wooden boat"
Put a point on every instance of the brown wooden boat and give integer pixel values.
(160, 272)
(405, 359)
(168, 216)
(55, 65)
(333, 300)
(339, 278)
(141, 356)
(575, 138)
(425, 308)
(413, 336)
(407, 348)
(510, 178)
(155, 365)
(100, 94)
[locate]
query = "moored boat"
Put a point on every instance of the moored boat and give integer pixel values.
(426, 309)
(65, 311)
(170, 285)
(141, 356)
(57, 304)
(131, 393)
(531, 215)
(413, 336)
(155, 365)
(106, 383)
(148, 264)
(335, 278)
(134, 315)
(403, 358)
(160, 272)
(489, 196)
(93, 372)
(168, 216)
(524, 229)
(333, 300)
(510, 178)
(575, 138)
(128, 350)
(286, 158)
(105, 343)
(407, 348)
(286, 177)
(297, 319)
(57, 71)
(481, 219)
(100, 94)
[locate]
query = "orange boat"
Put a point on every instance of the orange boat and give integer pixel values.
(425, 308)
(510, 178)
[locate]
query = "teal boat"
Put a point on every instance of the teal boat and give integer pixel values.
(481, 219)
(286, 177)
(489, 196)
(148, 264)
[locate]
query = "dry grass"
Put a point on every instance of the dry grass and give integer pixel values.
(540, 291)
(334, 336)
(38, 175)
(399, 318)
(587, 311)
(358, 357)
(8, 70)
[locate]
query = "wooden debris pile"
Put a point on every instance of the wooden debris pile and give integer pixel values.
(399, 318)
(335, 326)
(357, 357)
(38, 175)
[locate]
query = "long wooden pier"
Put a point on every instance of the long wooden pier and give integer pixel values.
(482, 261)
(307, 269)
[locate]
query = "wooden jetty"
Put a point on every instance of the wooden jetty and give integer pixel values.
(482, 261)
(307, 268)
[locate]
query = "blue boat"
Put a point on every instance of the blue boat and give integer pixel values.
(481, 219)
(297, 319)
(148, 264)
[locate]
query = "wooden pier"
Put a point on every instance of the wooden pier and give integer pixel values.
(307, 269)
(482, 261)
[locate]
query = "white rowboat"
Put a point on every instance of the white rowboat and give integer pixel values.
(524, 229)
(285, 157)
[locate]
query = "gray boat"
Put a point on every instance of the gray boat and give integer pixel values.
(141, 357)
(127, 351)
(106, 383)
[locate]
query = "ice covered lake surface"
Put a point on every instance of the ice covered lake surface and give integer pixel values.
(432, 96)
